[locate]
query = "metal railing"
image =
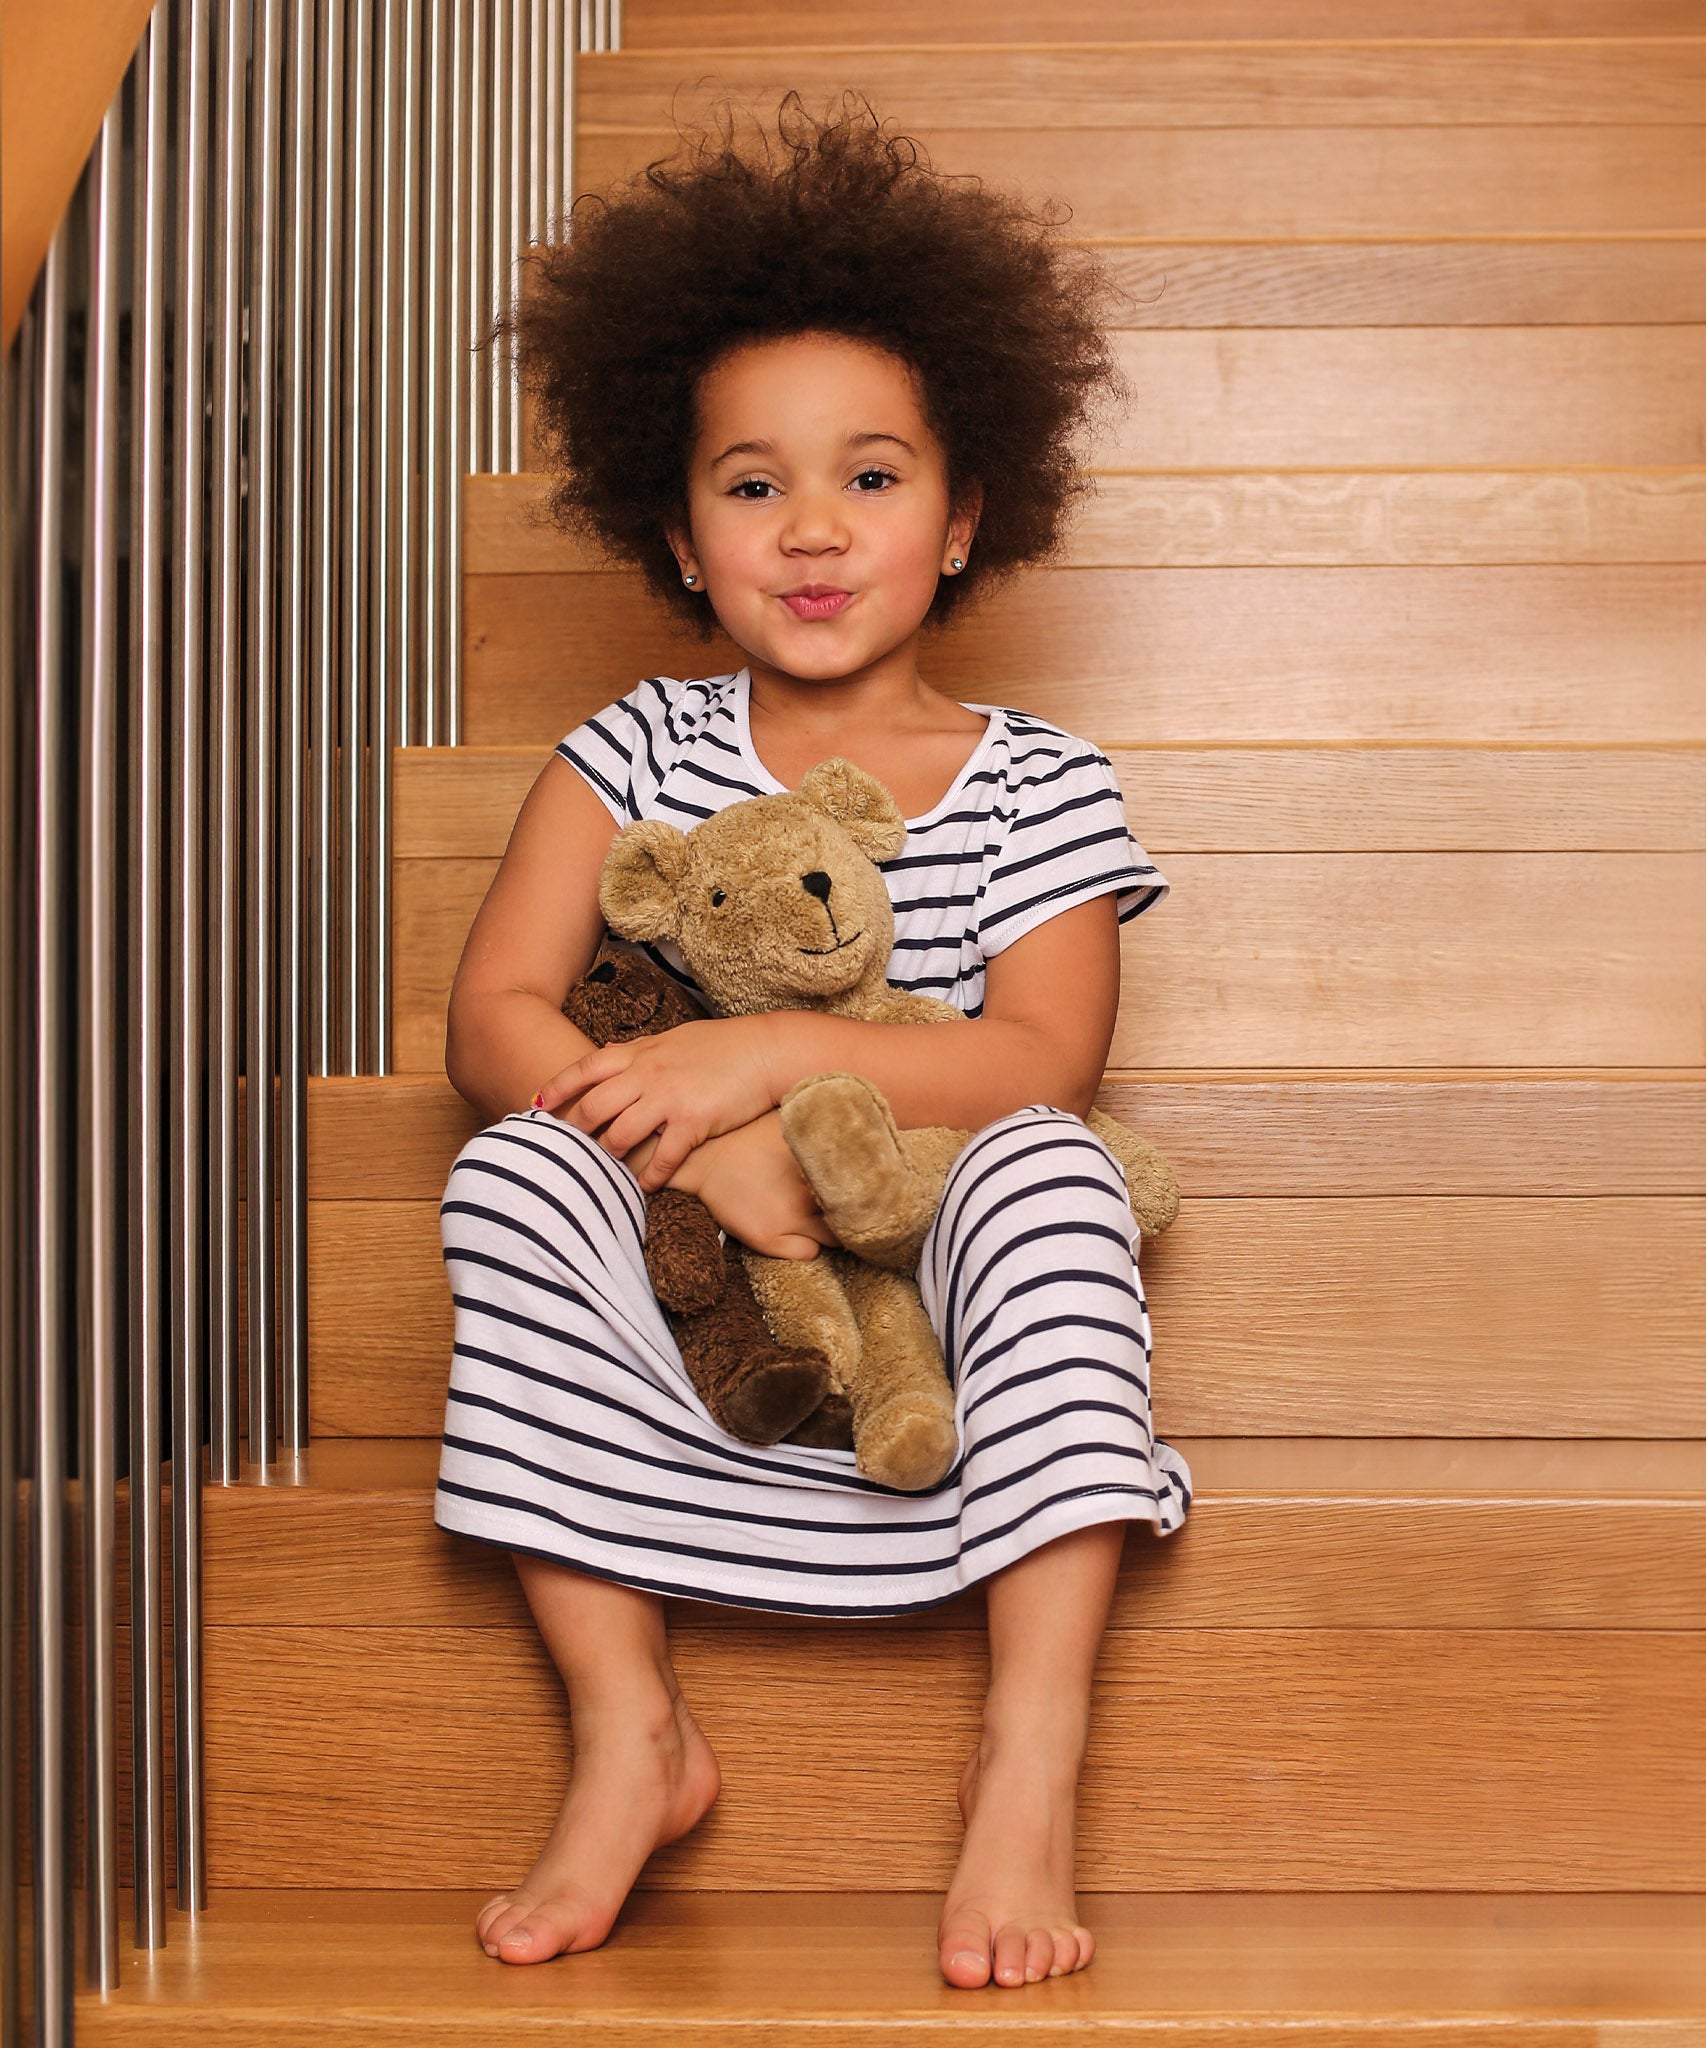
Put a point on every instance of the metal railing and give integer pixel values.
(232, 436)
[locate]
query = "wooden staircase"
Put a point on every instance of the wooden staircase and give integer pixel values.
(1390, 611)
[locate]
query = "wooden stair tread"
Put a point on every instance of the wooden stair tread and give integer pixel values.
(1484, 1468)
(1309, 1970)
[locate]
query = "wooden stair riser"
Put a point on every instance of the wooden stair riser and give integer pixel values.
(1309, 182)
(1314, 959)
(1297, 1759)
(1475, 82)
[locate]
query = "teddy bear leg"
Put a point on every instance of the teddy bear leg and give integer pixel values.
(754, 1388)
(903, 1407)
(878, 1187)
(806, 1306)
(684, 1251)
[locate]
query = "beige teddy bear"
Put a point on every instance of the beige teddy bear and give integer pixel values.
(776, 903)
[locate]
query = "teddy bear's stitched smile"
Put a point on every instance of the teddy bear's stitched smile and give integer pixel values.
(836, 948)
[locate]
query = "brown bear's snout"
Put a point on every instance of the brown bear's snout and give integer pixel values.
(816, 884)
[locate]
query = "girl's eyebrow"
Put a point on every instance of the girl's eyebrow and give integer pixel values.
(769, 447)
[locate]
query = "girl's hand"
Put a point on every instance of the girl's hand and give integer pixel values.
(688, 1085)
(749, 1181)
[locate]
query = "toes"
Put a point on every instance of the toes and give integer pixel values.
(964, 1951)
(1039, 1954)
(1064, 1957)
(488, 1913)
(1086, 1945)
(1009, 1954)
(531, 1938)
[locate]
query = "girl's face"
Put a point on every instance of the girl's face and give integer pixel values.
(813, 471)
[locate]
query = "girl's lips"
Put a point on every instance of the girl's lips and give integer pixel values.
(817, 607)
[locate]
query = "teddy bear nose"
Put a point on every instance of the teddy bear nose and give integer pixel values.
(818, 883)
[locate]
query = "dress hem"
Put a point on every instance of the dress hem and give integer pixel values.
(1064, 1518)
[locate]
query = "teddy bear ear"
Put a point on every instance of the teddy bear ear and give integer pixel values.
(859, 804)
(638, 883)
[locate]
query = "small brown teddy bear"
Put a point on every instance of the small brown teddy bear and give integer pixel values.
(754, 1388)
(776, 903)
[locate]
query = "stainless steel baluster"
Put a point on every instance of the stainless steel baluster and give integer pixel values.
(224, 821)
(52, 1135)
(382, 558)
(295, 669)
(327, 626)
(187, 960)
(500, 252)
(260, 715)
(409, 464)
(436, 329)
(151, 74)
(357, 594)
(100, 1159)
(517, 237)
(11, 1193)
(479, 231)
(460, 272)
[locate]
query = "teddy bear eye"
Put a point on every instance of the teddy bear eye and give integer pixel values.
(716, 898)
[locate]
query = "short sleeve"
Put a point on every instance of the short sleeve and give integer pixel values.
(1068, 841)
(622, 750)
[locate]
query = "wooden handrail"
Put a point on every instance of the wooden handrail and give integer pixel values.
(61, 61)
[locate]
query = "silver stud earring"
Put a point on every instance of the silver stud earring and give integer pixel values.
(958, 563)
(690, 579)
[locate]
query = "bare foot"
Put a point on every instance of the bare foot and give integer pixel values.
(1011, 1916)
(633, 1788)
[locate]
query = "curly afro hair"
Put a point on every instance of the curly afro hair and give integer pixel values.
(827, 225)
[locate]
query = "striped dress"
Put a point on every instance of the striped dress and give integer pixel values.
(572, 1431)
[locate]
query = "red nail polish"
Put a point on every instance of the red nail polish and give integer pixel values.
(539, 1100)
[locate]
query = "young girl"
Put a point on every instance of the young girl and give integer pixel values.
(819, 394)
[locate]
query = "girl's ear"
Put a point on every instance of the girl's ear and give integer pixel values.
(963, 526)
(680, 544)
(639, 882)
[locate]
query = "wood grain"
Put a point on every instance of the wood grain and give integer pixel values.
(1305, 1133)
(1294, 1532)
(1477, 82)
(1213, 519)
(1401, 1316)
(1312, 959)
(1475, 281)
(63, 65)
(1302, 183)
(1295, 1759)
(461, 802)
(1516, 655)
(711, 24)
(339, 1969)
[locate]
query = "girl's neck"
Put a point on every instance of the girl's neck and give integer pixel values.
(888, 697)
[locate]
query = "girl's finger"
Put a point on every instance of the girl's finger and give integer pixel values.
(628, 1130)
(673, 1145)
(602, 1101)
(600, 1065)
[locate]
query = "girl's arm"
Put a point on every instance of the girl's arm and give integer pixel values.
(1050, 1000)
(537, 933)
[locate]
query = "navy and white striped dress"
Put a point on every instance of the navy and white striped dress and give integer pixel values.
(571, 1429)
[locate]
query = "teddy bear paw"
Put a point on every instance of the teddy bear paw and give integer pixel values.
(776, 1396)
(908, 1443)
(842, 1136)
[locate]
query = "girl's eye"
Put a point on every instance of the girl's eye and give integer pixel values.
(886, 475)
(763, 483)
(716, 897)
